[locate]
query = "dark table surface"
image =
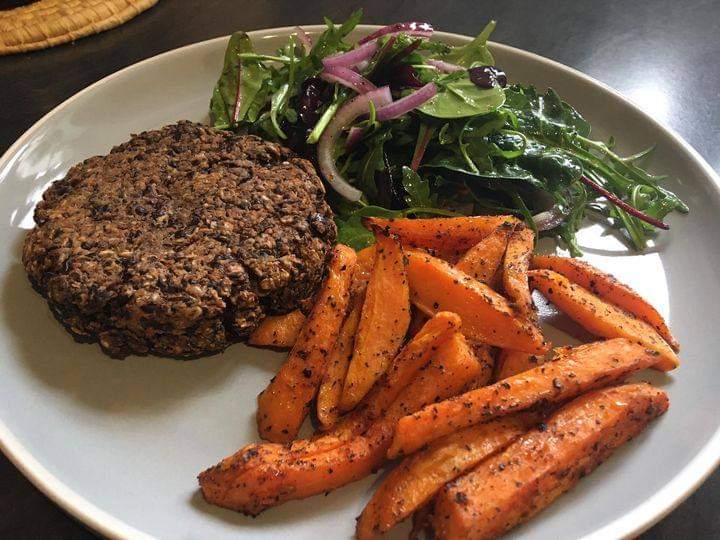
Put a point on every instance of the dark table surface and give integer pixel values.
(662, 53)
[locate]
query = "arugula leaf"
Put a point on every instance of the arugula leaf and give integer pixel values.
(225, 94)
(417, 190)
(475, 53)
(331, 41)
(560, 152)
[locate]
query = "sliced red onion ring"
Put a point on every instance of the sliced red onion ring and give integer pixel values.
(326, 145)
(304, 39)
(360, 66)
(348, 77)
(445, 67)
(354, 135)
(351, 58)
(421, 29)
(549, 219)
(407, 104)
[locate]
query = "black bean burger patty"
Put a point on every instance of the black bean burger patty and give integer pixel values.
(179, 241)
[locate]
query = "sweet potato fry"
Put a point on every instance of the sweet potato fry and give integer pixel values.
(511, 487)
(452, 368)
(330, 393)
(328, 398)
(449, 237)
(600, 318)
(363, 269)
(515, 270)
(383, 324)
(486, 315)
(414, 481)
(582, 369)
(412, 358)
(486, 359)
(285, 403)
(366, 260)
(608, 288)
(278, 330)
(513, 362)
(484, 259)
(268, 474)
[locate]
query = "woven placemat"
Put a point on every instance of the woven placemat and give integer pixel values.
(50, 22)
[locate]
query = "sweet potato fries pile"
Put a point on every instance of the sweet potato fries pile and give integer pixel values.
(427, 347)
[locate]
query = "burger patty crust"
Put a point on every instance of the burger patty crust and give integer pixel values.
(179, 241)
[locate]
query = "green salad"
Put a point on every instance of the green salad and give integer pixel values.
(402, 125)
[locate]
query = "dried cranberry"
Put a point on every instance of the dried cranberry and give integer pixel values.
(314, 93)
(487, 76)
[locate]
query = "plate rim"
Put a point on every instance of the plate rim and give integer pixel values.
(631, 524)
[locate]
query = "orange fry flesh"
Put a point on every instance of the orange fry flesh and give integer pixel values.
(414, 481)
(485, 357)
(328, 398)
(583, 368)
(413, 357)
(484, 259)
(383, 323)
(452, 368)
(513, 362)
(268, 474)
(278, 330)
(515, 270)
(608, 288)
(285, 403)
(449, 237)
(600, 317)
(487, 317)
(363, 269)
(512, 486)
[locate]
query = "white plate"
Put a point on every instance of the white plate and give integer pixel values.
(118, 444)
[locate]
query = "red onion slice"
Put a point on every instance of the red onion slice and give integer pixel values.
(326, 145)
(304, 39)
(549, 219)
(445, 67)
(360, 66)
(407, 104)
(421, 29)
(348, 77)
(351, 58)
(354, 135)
